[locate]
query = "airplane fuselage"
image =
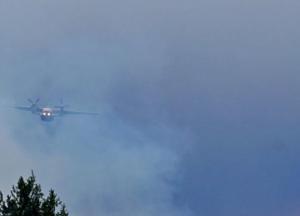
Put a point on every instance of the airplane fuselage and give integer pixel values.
(47, 114)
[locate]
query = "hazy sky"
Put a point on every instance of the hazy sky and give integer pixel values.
(199, 104)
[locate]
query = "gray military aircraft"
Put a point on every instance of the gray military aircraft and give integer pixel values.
(49, 113)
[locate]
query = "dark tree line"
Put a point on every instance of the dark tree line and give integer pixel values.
(27, 199)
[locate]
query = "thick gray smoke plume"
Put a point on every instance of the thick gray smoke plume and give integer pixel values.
(198, 101)
(114, 164)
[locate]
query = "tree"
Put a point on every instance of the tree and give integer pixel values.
(27, 199)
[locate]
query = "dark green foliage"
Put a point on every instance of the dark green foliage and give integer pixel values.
(27, 199)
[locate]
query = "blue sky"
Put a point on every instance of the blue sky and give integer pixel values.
(198, 101)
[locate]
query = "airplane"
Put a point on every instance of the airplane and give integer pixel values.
(48, 114)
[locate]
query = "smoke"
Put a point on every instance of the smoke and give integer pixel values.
(198, 104)
(106, 165)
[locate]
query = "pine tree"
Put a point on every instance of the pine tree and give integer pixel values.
(27, 199)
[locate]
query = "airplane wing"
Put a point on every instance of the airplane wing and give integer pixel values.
(28, 109)
(23, 108)
(66, 112)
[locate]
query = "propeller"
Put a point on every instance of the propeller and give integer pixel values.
(33, 103)
(62, 105)
(33, 108)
